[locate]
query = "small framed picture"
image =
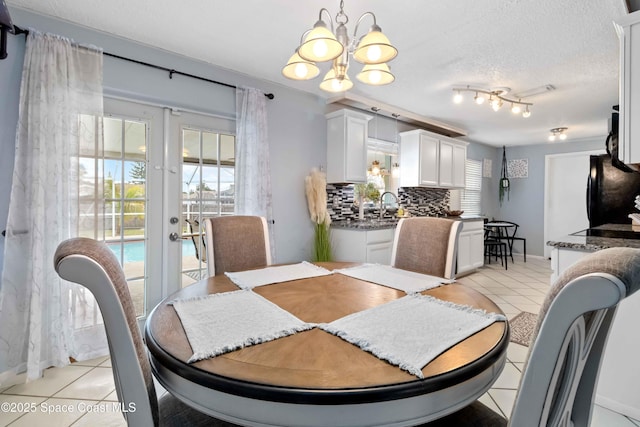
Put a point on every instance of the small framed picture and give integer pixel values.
(487, 164)
(518, 168)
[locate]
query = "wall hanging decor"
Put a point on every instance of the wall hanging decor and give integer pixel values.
(504, 180)
(518, 168)
(487, 166)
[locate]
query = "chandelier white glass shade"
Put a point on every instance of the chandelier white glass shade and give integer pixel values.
(496, 99)
(376, 74)
(331, 83)
(300, 69)
(558, 133)
(322, 44)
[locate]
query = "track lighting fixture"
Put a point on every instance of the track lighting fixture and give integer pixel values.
(558, 133)
(495, 97)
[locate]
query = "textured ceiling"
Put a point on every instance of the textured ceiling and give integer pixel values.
(519, 44)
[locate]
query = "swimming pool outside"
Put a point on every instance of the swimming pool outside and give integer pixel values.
(135, 251)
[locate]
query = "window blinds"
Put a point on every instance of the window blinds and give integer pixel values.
(471, 198)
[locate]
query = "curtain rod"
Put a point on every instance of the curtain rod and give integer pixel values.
(171, 71)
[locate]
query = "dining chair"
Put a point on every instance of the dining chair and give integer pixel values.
(557, 387)
(236, 243)
(198, 241)
(93, 265)
(426, 245)
(511, 237)
(494, 247)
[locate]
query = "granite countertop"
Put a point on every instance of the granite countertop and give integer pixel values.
(580, 241)
(381, 224)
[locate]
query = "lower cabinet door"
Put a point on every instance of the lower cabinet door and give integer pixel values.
(476, 242)
(470, 250)
(379, 253)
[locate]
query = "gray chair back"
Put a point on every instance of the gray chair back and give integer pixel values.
(93, 265)
(558, 383)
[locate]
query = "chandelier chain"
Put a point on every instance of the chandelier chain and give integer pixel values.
(342, 15)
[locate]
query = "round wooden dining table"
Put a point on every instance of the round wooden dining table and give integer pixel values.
(314, 378)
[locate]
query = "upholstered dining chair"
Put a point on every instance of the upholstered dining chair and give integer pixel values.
(93, 265)
(236, 243)
(426, 245)
(558, 382)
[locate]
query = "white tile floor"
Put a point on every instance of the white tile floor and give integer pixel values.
(83, 394)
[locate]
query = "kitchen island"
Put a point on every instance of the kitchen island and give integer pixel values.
(571, 248)
(619, 380)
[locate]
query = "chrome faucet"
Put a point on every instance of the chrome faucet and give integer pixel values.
(382, 208)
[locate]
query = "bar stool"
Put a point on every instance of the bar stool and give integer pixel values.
(497, 248)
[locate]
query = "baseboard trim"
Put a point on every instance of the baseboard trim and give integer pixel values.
(618, 407)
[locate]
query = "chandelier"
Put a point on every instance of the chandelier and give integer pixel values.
(321, 44)
(495, 98)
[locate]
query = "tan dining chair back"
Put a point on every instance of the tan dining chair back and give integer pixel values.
(427, 245)
(93, 265)
(236, 243)
(557, 387)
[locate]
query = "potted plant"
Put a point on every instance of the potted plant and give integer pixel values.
(504, 180)
(362, 192)
(316, 189)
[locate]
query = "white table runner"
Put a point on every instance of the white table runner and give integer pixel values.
(404, 280)
(224, 322)
(411, 331)
(269, 275)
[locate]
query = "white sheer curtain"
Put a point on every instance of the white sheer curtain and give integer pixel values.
(253, 172)
(60, 114)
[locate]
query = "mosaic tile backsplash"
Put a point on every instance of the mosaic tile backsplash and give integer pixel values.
(418, 201)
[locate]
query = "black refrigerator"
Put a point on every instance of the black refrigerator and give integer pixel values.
(610, 192)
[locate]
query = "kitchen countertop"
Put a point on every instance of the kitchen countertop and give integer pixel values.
(579, 241)
(381, 224)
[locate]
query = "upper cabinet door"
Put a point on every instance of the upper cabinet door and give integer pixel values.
(446, 164)
(347, 136)
(459, 165)
(429, 161)
(356, 149)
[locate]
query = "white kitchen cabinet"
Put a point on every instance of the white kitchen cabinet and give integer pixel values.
(355, 245)
(470, 246)
(347, 138)
(452, 164)
(431, 160)
(628, 29)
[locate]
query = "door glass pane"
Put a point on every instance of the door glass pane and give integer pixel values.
(125, 200)
(208, 181)
(112, 137)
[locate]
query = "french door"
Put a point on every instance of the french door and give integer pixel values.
(200, 184)
(164, 171)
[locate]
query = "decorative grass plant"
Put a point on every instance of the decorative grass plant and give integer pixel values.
(316, 190)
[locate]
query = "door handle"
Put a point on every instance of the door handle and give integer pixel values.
(174, 237)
